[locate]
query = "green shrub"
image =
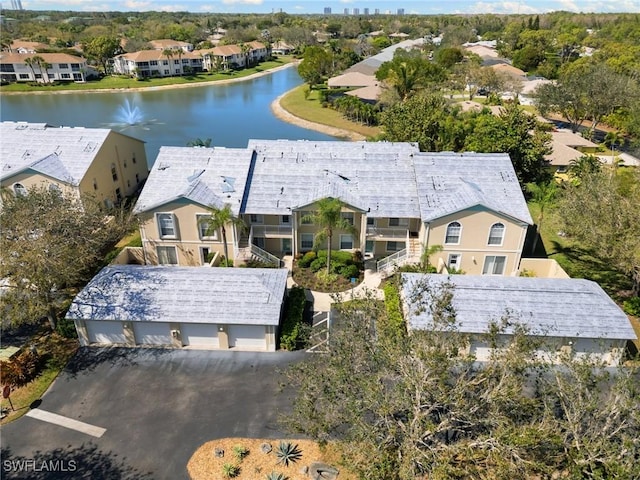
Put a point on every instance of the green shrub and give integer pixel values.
(20, 370)
(349, 271)
(288, 453)
(306, 260)
(340, 256)
(240, 452)
(294, 333)
(318, 264)
(66, 328)
(632, 306)
(277, 476)
(394, 321)
(229, 470)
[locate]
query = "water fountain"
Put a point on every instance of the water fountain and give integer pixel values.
(129, 115)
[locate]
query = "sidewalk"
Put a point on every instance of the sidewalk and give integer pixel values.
(322, 301)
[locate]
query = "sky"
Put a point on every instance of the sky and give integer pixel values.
(430, 7)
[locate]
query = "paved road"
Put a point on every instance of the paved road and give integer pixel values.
(158, 406)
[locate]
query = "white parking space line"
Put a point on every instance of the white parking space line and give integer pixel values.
(66, 422)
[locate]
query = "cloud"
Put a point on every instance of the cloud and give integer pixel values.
(243, 2)
(569, 5)
(346, 1)
(501, 7)
(137, 5)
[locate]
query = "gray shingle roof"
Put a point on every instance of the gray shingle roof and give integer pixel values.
(552, 307)
(369, 175)
(207, 176)
(451, 182)
(243, 296)
(369, 65)
(63, 153)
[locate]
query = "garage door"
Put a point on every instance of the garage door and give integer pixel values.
(247, 336)
(105, 332)
(152, 333)
(197, 334)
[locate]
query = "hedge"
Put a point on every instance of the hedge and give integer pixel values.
(395, 321)
(295, 332)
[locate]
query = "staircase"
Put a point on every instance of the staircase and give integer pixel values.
(414, 250)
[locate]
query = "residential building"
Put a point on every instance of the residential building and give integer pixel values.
(55, 67)
(226, 57)
(96, 161)
(207, 308)
(356, 11)
(156, 63)
(398, 199)
(165, 44)
(327, 10)
(366, 11)
(24, 46)
(566, 316)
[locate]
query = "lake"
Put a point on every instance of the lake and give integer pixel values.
(228, 114)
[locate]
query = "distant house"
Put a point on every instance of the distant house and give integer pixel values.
(281, 48)
(165, 44)
(156, 63)
(571, 316)
(226, 57)
(565, 144)
(24, 46)
(352, 79)
(206, 308)
(95, 161)
(57, 67)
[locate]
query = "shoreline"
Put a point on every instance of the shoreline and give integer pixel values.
(225, 81)
(279, 112)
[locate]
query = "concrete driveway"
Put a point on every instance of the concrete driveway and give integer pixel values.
(157, 406)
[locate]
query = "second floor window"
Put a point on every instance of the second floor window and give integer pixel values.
(203, 228)
(348, 216)
(114, 172)
(166, 225)
(453, 233)
(496, 234)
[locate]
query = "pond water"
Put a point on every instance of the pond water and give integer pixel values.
(227, 114)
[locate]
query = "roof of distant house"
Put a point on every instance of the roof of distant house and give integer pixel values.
(370, 93)
(27, 45)
(370, 65)
(551, 307)
(168, 43)
(248, 296)
(63, 153)
(353, 79)
(51, 58)
(508, 69)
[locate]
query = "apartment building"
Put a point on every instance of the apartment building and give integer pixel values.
(42, 67)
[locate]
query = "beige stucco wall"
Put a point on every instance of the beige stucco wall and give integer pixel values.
(31, 180)
(542, 267)
(187, 242)
(473, 245)
(120, 150)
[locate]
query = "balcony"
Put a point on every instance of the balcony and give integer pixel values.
(378, 233)
(272, 231)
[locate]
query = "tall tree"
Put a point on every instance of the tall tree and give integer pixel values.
(416, 406)
(315, 65)
(51, 244)
(168, 52)
(409, 72)
(543, 195)
(102, 49)
(328, 217)
(218, 221)
(602, 213)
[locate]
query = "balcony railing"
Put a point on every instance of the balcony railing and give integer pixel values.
(397, 259)
(272, 230)
(396, 233)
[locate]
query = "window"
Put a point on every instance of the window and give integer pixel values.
(167, 72)
(258, 242)
(185, 61)
(63, 65)
(24, 76)
(124, 164)
(176, 62)
(494, 265)
(153, 62)
(53, 187)
(346, 242)
(133, 158)
(166, 225)
(19, 190)
(75, 66)
(496, 234)
(203, 226)
(137, 178)
(114, 173)
(368, 246)
(348, 216)
(66, 76)
(165, 62)
(394, 246)
(371, 222)
(128, 183)
(285, 219)
(167, 255)
(398, 222)
(95, 184)
(259, 219)
(118, 195)
(453, 233)
(306, 221)
(454, 261)
(306, 241)
(204, 255)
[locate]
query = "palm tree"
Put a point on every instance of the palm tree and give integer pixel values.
(587, 164)
(245, 49)
(542, 194)
(178, 53)
(405, 78)
(426, 254)
(168, 52)
(328, 216)
(218, 220)
(30, 63)
(39, 62)
(45, 66)
(611, 139)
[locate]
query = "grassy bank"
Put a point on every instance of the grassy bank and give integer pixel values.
(125, 82)
(310, 109)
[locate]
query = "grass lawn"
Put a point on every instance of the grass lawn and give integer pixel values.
(124, 82)
(576, 260)
(55, 351)
(310, 109)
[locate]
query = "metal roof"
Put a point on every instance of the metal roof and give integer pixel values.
(372, 176)
(63, 153)
(245, 296)
(451, 182)
(207, 176)
(551, 307)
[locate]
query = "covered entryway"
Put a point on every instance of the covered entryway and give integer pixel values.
(152, 333)
(247, 336)
(200, 335)
(105, 332)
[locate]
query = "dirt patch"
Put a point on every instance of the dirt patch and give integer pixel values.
(256, 465)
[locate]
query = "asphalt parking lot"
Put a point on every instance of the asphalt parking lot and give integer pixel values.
(157, 406)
